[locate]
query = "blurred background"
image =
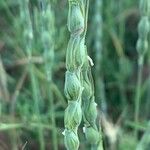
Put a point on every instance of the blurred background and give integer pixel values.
(33, 43)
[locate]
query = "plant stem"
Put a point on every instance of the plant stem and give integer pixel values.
(47, 21)
(138, 93)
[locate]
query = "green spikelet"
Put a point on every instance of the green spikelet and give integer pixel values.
(79, 88)
(76, 18)
(91, 135)
(89, 109)
(90, 112)
(72, 86)
(71, 140)
(143, 27)
(73, 115)
(75, 57)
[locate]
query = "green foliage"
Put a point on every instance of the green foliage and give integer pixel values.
(142, 48)
(35, 90)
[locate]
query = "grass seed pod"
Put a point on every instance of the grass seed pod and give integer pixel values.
(70, 58)
(144, 27)
(76, 54)
(72, 86)
(142, 46)
(80, 54)
(91, 135)
(90, 112)
(88, 91)
(71, 140)
(73, 115)
(75, 18)
(144, 7)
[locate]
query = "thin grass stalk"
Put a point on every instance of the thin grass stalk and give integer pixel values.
(142, 47)
(37, 99)
(147, 104)
(3, 82)
(122, 22)
(4, 97)
(28, 43)
(122, 79)
(122, 57)
(99, 82)
(14, 99)
(47, 19)
(144, 143)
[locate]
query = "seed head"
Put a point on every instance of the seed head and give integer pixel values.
(75, 18)
(144, 27)
(145, 7)
(91, 135)
(71, 140)
(73, 115)
(72, 86)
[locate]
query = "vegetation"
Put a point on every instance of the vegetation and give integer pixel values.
(82, 87)
(142, 47)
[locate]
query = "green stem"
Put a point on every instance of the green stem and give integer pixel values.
(86, 16)
(36, 98)
(28, 39)
(138, 93)
(47, 20)
(52, 114)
